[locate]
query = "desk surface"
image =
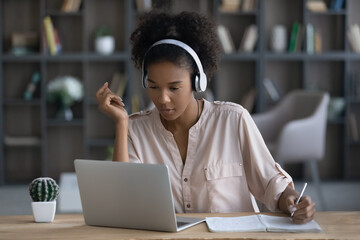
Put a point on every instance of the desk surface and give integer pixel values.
(335, 225)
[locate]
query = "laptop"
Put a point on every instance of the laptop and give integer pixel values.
(128, 195)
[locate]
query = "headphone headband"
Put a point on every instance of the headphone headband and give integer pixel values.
(200, 79)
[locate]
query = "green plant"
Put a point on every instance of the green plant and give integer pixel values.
(103, 31)
(43, 189)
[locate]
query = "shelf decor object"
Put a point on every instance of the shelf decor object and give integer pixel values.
(278, 41)
(64, 92)
(104, 41)
(44, 192)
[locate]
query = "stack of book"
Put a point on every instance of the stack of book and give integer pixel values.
(248, 41)
(238, 5)
(316, 6)
(321, 5)
(24, 43)
(51, 40)
(71, 5)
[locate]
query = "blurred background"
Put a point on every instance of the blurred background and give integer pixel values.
(55, 57)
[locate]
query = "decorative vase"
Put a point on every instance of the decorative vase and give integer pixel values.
(44, 211)
(278, 40)
(105, 45)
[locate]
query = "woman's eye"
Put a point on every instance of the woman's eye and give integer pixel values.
(174, 88)
(152, 87)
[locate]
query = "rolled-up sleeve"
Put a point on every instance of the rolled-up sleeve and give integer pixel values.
(266, 179)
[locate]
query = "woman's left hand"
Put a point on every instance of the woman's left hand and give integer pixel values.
(304, 211)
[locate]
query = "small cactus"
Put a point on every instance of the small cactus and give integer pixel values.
(43, 189)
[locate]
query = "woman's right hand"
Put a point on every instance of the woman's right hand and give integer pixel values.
(111, 104)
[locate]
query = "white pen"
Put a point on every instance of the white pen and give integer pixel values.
(298, 199)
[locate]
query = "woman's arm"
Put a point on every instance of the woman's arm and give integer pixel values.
(121, 153)
(303, 212)
(112, 106)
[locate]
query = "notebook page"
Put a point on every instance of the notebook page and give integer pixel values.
(285, 224)
(235, 224)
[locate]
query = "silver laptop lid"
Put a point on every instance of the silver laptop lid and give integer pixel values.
(126, 195)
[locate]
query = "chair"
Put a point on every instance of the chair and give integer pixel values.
(294, 130)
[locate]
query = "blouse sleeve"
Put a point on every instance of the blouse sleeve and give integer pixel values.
(133, 156)
(266, 179)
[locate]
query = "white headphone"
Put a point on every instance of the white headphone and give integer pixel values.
(200, 81)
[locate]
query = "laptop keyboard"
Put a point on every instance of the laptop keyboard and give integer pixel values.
(180, 224)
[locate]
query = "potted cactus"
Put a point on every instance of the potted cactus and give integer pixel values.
(43, 192)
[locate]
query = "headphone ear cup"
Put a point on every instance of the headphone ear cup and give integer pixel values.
(199, 83)
(202, 83)
(145, 81)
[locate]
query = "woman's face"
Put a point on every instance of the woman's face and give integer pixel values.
(169, 88)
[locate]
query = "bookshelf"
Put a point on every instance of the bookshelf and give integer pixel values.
(90, 133)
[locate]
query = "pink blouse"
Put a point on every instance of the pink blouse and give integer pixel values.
(227, 160)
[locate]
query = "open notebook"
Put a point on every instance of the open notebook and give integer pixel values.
(259, 223)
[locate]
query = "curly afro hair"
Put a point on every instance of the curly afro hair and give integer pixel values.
(197, 31)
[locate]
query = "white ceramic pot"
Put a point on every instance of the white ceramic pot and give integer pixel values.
(278, 41)
(105, 45)
(44, 211)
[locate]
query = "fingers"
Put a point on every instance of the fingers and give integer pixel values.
(101, 90)
(104, 95)
(290, 203)
(305, 210)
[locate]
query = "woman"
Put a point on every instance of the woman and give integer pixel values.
(216, 156)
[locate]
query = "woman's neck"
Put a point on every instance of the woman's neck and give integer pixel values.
(186, 120)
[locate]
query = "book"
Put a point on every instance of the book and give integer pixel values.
(249, 39)
(318, 42)
(230, 5)
(225, 39)
(24, 39)
(23, 43)
(354, 37)
(260, 223)
(316, 6)
(49, 30)
(299, 39)
(143, 5)
(310, 36)
(71, 5)
(336, 5)
(57, 41)
(272, 90)
(293, 36)
(248, 5)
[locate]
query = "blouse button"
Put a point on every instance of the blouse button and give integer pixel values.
(188, 205)
(185, 179)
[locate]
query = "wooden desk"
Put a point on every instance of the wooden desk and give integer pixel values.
(335, 225)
